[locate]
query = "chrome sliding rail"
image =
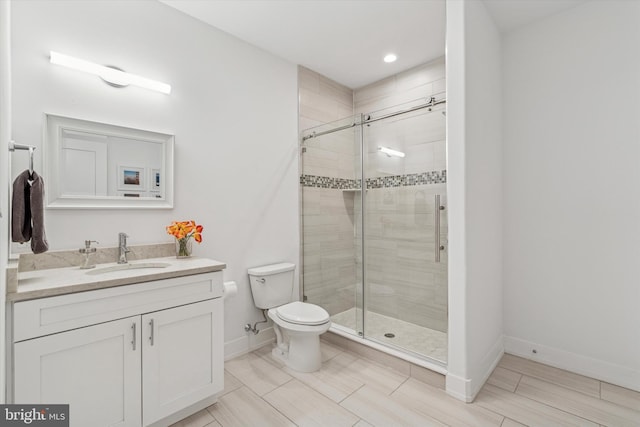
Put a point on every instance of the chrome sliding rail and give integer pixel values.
(366, 118)
(432, 103)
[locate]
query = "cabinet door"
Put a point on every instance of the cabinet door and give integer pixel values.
(182, 357)
(96, 370)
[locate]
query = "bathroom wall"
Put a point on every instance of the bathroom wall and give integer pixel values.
(233, 110)
(327, 163)
(572, 205)
(474, 185)
(404, 281)
(5, 137)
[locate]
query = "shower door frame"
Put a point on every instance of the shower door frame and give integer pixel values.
(360, 331)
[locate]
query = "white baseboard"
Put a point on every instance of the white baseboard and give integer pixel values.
(458, 387)
(599, 369)
(486, 367)
(466, 389)
(248, 343)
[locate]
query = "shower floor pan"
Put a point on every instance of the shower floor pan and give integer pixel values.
(408, 336)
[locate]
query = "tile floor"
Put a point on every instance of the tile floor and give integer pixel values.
(350, 390)
(408, 336)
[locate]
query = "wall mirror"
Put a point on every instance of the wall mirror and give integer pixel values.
(98, 165)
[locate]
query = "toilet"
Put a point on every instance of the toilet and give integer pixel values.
(297, 325)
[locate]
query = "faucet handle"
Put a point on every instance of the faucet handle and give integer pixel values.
(87, 247)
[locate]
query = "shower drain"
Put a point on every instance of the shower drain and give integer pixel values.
(390, 335)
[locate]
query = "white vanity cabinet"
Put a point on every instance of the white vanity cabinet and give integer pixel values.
(94, 369)
(138, 355)
(180, 360)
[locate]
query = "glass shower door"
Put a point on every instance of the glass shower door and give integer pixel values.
(331, 164)
(405, 232)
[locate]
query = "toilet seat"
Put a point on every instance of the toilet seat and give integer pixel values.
(301, 313)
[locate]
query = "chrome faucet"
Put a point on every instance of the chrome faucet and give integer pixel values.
(122, 248)
(88, 250)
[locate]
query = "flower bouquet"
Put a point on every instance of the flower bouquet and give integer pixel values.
(183, 231)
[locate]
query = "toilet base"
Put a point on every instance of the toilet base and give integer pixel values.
(298, 346)
(303, 355)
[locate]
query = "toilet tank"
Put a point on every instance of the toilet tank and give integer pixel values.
(272, 285)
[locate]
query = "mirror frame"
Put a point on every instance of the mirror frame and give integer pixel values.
(54, 125)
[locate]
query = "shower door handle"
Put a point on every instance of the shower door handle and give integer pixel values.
(437, 208)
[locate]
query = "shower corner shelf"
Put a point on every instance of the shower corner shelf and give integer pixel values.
(351, 190)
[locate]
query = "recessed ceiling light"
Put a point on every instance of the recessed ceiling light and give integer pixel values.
(390, 58)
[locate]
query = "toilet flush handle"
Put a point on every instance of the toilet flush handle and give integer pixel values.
(261, 280)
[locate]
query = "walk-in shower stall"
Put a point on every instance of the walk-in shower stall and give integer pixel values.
(374, 226)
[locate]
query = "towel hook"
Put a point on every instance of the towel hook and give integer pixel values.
(13, 147)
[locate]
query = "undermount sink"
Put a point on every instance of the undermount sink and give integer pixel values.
(132, 266)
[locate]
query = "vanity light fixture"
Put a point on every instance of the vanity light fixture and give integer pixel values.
(391, 153)
(111, 75)
(390, 58)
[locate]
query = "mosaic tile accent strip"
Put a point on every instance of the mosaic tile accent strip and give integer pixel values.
(432, 177)
(328, 182)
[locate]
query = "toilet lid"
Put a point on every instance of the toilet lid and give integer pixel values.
(302, 313)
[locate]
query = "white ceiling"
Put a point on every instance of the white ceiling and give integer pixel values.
(346, 40)
(511, 14)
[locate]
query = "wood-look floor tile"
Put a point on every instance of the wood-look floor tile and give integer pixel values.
(383, 379)
(230, 383)
(265, 353)
(594, 409)
(550, 374)
(264, 350)
(510, 423)
(306, 407)
(199, 419)
(380, 410)
(526, 411)
(242, 408)
(435, 403)
(620, 396)
(256, 373)
(427, 376)
(504, 378)
(334, 380)
(329, 351)
(336, 340)
(381, 358)
(372, 395)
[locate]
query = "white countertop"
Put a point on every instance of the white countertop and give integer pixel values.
(59, 281)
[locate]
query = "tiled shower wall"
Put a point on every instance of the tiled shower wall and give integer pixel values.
(404, 281)
(329, 266)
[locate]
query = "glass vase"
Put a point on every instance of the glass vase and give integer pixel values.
(184, 247)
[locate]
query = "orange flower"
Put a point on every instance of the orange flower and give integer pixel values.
(197, 234)
(185, 230)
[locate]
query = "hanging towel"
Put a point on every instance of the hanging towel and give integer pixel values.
(27, 212)
(39, 242)
(21, 209)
